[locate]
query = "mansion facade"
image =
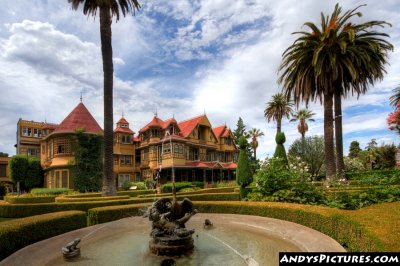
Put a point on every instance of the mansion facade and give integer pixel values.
(192, 148)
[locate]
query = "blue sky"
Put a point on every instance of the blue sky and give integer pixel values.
(181, 58)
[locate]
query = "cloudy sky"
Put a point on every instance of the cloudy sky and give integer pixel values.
(181, 58)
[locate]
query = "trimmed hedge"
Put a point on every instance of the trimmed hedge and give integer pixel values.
(19, 233)
(135, 193)
(379, 174)
(131, 193)
(201, 191)
(25, 210)
(112, 213)
(27, 200)
(166, 188)
(64, 199)
(49, 191)
(350, 234)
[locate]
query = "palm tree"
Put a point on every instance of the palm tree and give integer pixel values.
(395, 98)
(107, 10)
(254, 134)
(278, 108)
(332, 62)
(302, 116)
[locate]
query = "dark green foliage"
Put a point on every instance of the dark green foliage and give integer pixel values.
(244, 175)
(112, 213)
(313, 154)
(386, 157)
(244, 191)
(126, 185)
(18, 167)
(273, 177)
(85, 199)
(3, 191)
(88, 167)
(280, 151)
(19, 233)
(2, 154)
(49, 191)
(27, 200)
(34, 174)
(166, 188)
(239, 131)
(354, 149)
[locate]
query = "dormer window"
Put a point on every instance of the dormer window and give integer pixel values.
(126, 139)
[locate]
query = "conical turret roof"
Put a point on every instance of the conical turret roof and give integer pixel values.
(79, 118)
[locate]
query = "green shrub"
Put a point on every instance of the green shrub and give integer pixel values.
(112, 213)
(348, 233)
(273, 176)
(84, 195)
(25, 210)
(49, 191)
(19, 233)
(180, 185)
(201, 191)
(126, 185)
(280, 151)
(34, 174)
(138, 185)
(376, 174)
(29, 199)
(3, 191)
(135, 193)
(64, 199)
(244, 174)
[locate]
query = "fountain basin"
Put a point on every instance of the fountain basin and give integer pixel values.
(232, 239)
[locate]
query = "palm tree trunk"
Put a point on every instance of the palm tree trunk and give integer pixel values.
(339, 136)
(328, 138)
(278, 125)
(255, 154)
(106, 52)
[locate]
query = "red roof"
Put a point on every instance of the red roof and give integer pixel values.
(218, 130)
(49, 126)
(80, 117)
(123, 130)
(227, 132)
(187, 126)
(122, 121)
(229, 165)
(136, 139)
(157, 122)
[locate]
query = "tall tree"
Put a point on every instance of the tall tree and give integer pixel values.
(240, 131)
(330, 62)
(107, 10)
(244, 175)
(354, 149)
(278, 108)
(303, 116)
(255, 133)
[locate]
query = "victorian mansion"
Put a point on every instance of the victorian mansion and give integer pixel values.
(196, 150)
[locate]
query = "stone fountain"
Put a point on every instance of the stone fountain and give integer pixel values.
(169, 236)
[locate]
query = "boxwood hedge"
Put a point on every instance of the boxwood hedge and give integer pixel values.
(64, 199)
(25, 200)
(112, 213)
(19, 233)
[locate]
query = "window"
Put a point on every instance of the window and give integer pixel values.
(178, 148)
(123, 178)
(155, 133)
(62, 146)
(3, 168)
(126, 139)
(35, 132)
(146, 154)
(227, 141)
(116, 159)
(25, 131)
(167, 148)
(126, 159)
(59, 179)
(29, 132)
(32, 152)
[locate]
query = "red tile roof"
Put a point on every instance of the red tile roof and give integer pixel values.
(187, 126)
(227, 132)
(80, 117)
(136, 139)
(229, 165)
(218, 130)
(123, 130)
(157, 122)
(122, 121)
(49, 126)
